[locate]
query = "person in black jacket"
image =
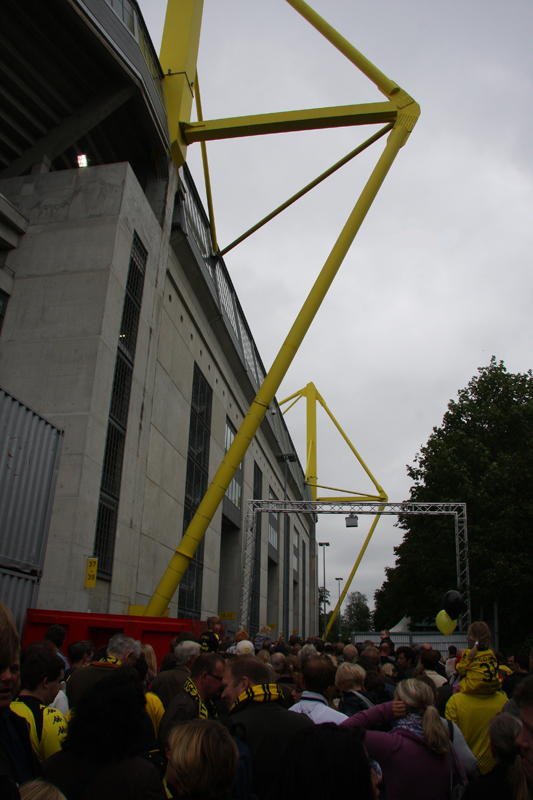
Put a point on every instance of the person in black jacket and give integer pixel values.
(350, 680)
(110, 751)
(210, 638)
(508, 780)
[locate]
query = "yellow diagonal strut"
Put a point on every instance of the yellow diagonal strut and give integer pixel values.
(406, 116)
(313, 397)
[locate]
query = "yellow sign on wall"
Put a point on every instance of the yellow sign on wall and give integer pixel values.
(226, 615)
(92, 569)
(272, 625)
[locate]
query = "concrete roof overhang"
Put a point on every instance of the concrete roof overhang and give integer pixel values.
(75, 80)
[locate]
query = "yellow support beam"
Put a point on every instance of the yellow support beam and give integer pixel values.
(352, 573)
(384, 84)
(313, 397)
(307, 119)
(179, 52)
(178, 57)
(224, 475)
(311, 471)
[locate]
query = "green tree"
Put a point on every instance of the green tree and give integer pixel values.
(356, 616)
(323, 593)
(323, 596)
(481, 455)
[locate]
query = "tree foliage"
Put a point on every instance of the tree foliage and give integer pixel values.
(481, 455)
(357, 616)
(323, 596)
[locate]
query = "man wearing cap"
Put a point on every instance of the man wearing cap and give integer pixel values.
(244, 648)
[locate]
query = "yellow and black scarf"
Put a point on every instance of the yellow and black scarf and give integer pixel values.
(262, 693)
(109, 660)
(206, 710)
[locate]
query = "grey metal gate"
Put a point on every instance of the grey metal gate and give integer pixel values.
(30, 449)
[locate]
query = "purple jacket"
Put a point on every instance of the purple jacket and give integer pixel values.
(410, 768)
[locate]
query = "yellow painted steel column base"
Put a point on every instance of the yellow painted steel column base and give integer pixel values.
(140, 611)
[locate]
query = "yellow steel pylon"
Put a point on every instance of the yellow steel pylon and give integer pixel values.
(179, 52)
(313, 397)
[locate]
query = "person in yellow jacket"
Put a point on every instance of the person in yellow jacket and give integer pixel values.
(155, 709)
(40, 678)
(478, 665)
(479, 698)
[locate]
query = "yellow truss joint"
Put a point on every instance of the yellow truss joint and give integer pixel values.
(178, 57)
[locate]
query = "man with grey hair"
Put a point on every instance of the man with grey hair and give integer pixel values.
(307, 651)
(350, 653)
(276, 660)
(121, 652)
(168, 684)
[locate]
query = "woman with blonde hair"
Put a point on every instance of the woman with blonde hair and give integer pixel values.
(416, 753)
(202, 761)
(350, 679)
(150, 657)
(507, 781)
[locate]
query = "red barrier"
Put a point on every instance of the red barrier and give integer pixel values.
(98, 628)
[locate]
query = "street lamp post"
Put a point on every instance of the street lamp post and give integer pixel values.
(324, 545)
(339, 614)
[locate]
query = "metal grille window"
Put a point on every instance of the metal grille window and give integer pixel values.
(113, 461)
(273, 523)
(286, 573)
(234, 490)
(106, 526)
(106, 523)
(256, 570)
(120, 396)
(3, 305)
(304, 584)
(196, 480)
(295, 550)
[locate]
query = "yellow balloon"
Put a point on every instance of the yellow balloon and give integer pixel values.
(445, 624)
(454, 624)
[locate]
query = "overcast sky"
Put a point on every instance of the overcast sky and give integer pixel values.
(438, 279)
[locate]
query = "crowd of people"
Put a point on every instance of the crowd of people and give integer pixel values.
(233, 719)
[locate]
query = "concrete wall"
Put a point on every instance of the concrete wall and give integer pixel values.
(57, 353)
(58, 349)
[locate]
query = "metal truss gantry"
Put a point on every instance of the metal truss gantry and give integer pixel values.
(255, 507)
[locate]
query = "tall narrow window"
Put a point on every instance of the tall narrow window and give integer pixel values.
(304, 587)
(234, 490)
(273, 523)
(295, 550)
(286, 572)
(107, 517)
(256, 572)
(196, 480)
(3, 305)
